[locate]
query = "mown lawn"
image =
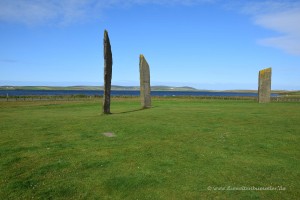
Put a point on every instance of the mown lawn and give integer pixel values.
(179, 149)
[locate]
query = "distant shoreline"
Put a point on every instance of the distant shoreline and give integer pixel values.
(131, 88)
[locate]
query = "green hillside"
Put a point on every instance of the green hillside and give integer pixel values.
(114, 87)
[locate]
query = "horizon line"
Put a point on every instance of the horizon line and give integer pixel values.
(151, 87)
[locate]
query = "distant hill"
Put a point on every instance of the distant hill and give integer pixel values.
(114, 87)
(290, 93)
(130, 88)
(49, 88)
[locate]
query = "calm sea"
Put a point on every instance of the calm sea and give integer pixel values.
(120, 93)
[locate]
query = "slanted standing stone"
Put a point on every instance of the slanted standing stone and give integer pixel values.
(145, 83)
(264, 85)
(107, 73)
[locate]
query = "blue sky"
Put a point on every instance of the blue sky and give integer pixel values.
(207, 44)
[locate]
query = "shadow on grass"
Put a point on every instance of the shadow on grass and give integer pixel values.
(130, 111)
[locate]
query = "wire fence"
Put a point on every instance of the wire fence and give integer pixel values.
(96, 98)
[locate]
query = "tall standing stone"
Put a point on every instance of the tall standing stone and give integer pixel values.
(107, 73)
(145, 88)
(264, 85)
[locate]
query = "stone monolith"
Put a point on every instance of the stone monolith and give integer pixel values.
(107, 73)
(145, 88)
(264, 85)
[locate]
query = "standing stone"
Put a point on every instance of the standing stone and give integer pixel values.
(264, 85)
(145, 83)
(107, 73)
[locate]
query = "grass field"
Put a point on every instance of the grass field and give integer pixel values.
(179, 149)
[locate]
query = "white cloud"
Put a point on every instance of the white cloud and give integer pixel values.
(287, 43)
(32, 12)
(282, 17)
(26, 12)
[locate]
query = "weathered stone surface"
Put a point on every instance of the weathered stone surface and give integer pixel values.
(145, 88)
(264, 85)
(107, 73)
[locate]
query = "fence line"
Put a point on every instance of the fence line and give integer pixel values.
(93, 98)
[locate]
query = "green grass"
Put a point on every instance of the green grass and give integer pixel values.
(175, 150)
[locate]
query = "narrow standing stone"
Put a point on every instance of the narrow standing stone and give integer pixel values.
(107, 73)
(145, 88)
(264, 85)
